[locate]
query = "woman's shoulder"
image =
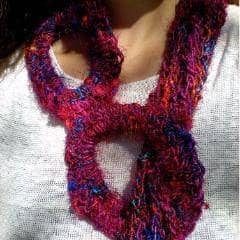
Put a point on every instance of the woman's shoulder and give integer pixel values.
(229, 36)
(231, 26)
(12, 68)
(230, 29)
(15, 91)
(226, 52)
(233, 14)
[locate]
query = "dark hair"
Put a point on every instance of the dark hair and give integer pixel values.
(19, 18)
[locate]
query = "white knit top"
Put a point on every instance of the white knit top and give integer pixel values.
(34, 203)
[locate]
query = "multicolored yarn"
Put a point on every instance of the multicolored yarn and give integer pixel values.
(166, 197)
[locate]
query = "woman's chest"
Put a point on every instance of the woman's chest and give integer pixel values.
(33, 181)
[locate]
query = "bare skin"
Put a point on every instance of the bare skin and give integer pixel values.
(141, 28)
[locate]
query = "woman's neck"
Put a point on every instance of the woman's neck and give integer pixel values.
(141, 28)
(141, 17)
(125, 12)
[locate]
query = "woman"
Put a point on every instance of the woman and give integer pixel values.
(34, 199)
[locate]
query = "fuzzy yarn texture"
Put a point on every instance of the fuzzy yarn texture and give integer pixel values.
(34, 203)
(166, 194)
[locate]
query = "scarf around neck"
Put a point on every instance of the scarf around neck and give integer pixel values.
(166, 197)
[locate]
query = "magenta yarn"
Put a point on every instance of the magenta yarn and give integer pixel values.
(167, 191)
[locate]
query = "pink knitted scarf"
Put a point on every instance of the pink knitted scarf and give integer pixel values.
(166, 197)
